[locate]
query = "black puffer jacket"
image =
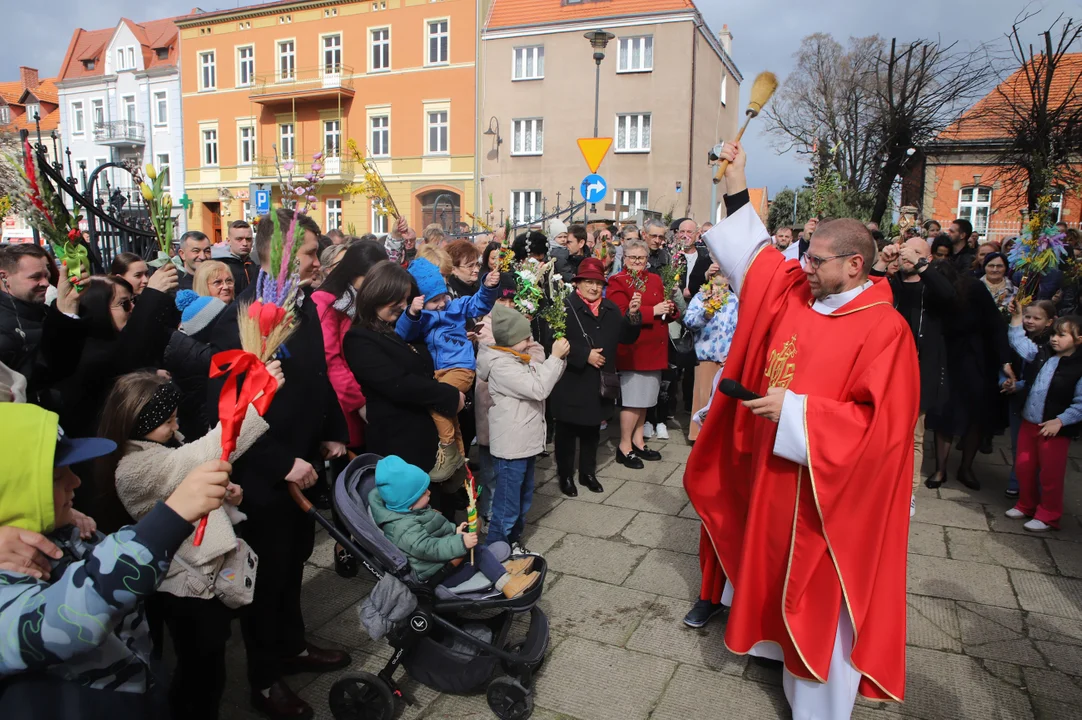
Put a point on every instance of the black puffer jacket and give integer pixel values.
(188, 360)
(41, 343)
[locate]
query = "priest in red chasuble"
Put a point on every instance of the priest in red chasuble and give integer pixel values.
(804, 494)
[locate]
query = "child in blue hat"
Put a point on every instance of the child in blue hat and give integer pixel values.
(399, 506)
(441, 321)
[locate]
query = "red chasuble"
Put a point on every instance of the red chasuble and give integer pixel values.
(802, 544)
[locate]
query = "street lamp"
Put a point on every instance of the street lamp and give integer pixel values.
(598, 40)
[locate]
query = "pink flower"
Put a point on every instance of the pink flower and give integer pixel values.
(299, 191)
(316, 167)
(318, 156)
(312, 198)
(287, 165)
(310, 177)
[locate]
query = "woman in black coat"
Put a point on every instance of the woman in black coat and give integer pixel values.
(396, 376)
(594, 328)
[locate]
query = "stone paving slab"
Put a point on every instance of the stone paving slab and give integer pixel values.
(960, 580)
(610, 485)
(651, 498)
(593, 681)
(697, 693)
(595, 611)
(664, 531)
(1013, 551)
(662, 632)
(932, 623)
(935, 511)
(540, 539)
(925, 539)
(664, 572)
(1053, 685)
(1049, 594)
(1057, 629)
(587, 519)
(604, 560)
(542, 505)
(1067, 658)
(1068, 557)
(1053, 710)
(689, 512)
(655, 473)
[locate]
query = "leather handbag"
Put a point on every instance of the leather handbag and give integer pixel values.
(609, 386)
(682, 350)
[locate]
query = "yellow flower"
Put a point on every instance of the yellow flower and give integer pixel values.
(148, 194)
(151, 173)
(167, 200)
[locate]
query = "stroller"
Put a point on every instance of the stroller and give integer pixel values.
(432, 643)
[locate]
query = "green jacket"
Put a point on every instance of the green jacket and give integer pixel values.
(426, 536)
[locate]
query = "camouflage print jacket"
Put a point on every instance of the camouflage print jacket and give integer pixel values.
(87, 625)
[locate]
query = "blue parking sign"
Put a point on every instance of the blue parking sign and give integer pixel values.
(262, 202)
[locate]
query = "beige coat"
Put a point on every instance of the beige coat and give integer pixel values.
(516, 420)
(150, 472)
(482, 398)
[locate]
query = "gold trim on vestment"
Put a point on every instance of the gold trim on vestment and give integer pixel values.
(788, 569)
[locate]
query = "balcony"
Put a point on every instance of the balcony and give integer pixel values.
(118, 133)
(303, 84)
(335, 169)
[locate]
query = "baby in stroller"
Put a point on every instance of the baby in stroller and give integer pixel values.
(399, 506)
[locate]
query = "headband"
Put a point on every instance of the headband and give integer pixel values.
(995, 255)
(157, 410)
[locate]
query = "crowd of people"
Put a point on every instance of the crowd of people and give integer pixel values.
(417, 349)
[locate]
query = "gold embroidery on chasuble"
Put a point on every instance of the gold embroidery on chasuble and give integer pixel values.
(780, 365)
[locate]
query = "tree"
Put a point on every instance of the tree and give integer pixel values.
(781, 209)
(1038, 112)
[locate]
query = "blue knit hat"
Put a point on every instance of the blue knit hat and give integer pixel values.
(197, 311)
(399, 483)
(429, 281)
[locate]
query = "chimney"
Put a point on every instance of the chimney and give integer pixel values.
(28, 76)
(726, 39)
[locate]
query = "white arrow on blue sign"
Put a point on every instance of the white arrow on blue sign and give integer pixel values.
(594, 188)
(262, 202)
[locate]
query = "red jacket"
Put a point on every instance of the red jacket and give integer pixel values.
(335, 325)
(651, 350)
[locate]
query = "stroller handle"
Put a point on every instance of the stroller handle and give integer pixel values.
(298, 497)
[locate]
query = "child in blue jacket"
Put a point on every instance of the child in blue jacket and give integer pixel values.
(441, 321)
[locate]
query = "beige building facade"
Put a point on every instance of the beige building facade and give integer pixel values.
(669, 91)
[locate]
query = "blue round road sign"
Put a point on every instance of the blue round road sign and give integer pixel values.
(594, 188)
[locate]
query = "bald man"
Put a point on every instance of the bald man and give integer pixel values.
(924, 297)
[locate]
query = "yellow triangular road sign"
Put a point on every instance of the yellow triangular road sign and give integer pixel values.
(594, 151)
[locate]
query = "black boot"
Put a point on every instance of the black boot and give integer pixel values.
(567, 487)
(590, 483)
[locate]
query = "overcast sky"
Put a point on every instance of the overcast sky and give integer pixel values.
(764, 37)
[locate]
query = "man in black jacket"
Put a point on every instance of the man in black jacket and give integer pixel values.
(924, 298)
(239, 256)
(193, 249)
(41, 342)
(306, 425)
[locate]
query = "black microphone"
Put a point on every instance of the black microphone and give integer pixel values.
(735, 390)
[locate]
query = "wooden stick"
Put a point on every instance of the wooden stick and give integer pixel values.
(725, 163)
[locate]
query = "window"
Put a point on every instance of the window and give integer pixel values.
(438, 40)
(246, 147)
(210, 148)
(529, 63)
(102, 183)
(128, 103)
(437, 132)
(97, 112)
(381, 50)
(525, 206)
(88, 64)
(379, 222)
(78, 121)
(161, 161)
(131, 58)
(633, 200)
(33, 110)
(161, 109)
(125, 58)
(207, 71)
(245, 66)
(285, 141)
(332, 54)
(381, 136)
(633, 133)
(162, 53)
(636, 54)
(334, 214)
(528, 137)
(287, 60)
(332, 138)
(5, 114)
(975, 205)
(1055, 206)
(120, 59)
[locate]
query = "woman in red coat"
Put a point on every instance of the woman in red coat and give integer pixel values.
(641, 363)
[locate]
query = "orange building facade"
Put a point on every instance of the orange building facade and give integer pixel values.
(292, 79)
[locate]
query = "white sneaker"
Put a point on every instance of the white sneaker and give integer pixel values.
(1015, 514)
(647, 431)
(661, 432)
(912, 505)
(1036, 525)
(604, 425)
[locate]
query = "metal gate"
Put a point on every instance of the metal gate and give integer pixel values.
(117, 218)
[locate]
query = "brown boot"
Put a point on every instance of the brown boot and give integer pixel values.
(520, 566)
(519, 584)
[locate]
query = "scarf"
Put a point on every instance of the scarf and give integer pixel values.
(1000, 289)
(594, 306)
(521, 356)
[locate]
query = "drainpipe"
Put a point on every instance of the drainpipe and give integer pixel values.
(691, 111)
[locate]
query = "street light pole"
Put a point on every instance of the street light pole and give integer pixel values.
(597, 87)
(599, 39)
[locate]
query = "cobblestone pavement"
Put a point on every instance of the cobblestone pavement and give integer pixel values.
(995, 613)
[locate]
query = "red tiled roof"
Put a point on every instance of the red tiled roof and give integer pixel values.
(984, 121)
(512, 13)
(17, 95)
(91, 44)
(10, 91)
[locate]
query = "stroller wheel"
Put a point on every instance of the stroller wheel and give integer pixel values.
(517, 648)
(509, 699)
(361, 697)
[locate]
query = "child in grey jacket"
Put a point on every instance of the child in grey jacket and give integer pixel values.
(517, 419)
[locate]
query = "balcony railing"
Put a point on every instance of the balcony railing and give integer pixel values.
(335, 169)
(316, 82)
(120, 131)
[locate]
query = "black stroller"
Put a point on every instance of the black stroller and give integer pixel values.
(431, 642)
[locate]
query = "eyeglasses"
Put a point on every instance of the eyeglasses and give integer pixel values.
(127, 304)
(656, 236)
(637, 258)
(471, 266)
(812, 262)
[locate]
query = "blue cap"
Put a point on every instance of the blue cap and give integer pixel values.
(72, 451)
(429, 281)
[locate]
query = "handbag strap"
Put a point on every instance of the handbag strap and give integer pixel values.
(207, 584)
(582, 329)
